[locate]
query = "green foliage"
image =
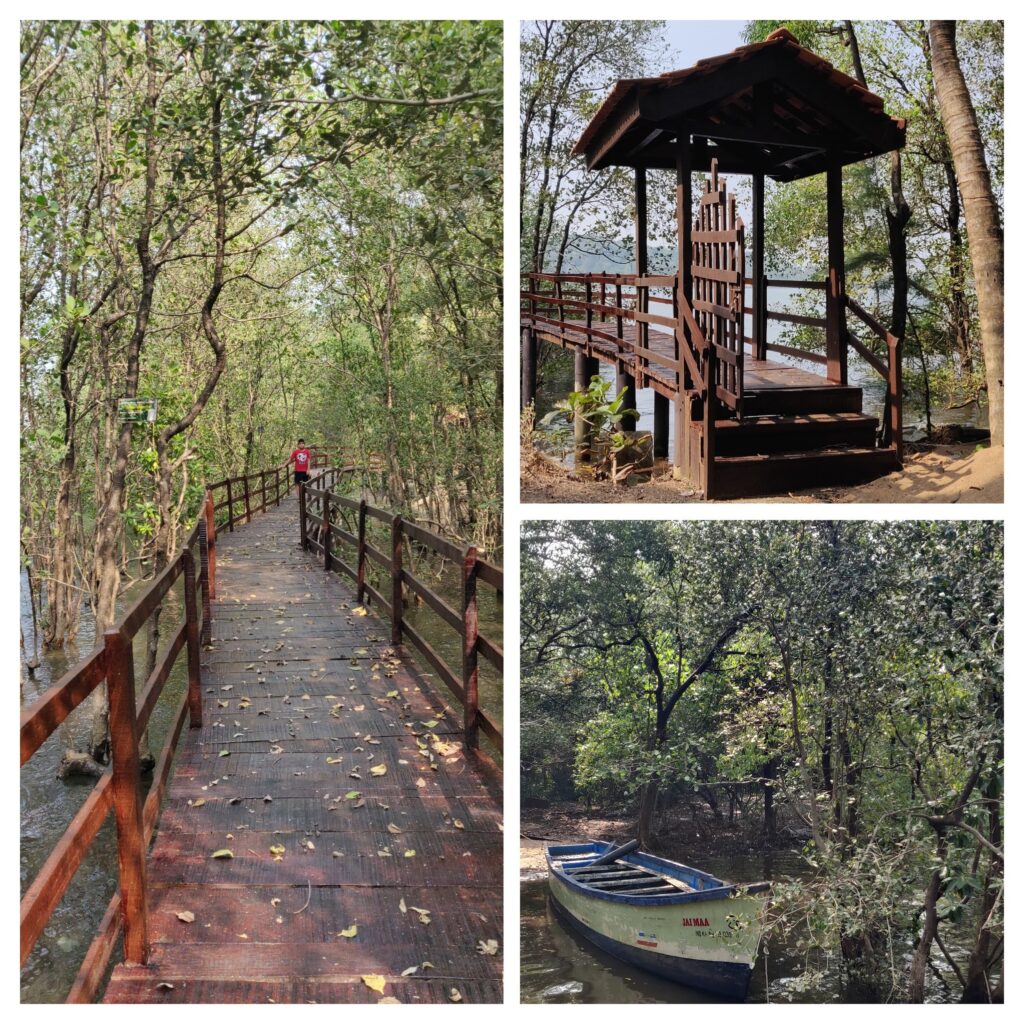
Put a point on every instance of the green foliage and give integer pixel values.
(863, 684)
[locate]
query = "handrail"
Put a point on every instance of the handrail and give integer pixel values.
(317, 532)
(120, 787)
(891, 372)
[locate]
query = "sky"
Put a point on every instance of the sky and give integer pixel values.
(693, 40)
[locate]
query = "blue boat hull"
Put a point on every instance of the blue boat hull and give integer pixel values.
(724, 979)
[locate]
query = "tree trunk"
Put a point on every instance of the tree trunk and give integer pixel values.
(981, 212)
(645, 818)
(919, 963)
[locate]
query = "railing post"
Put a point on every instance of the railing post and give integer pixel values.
(277, 485)
(211, 543)
(361, 553)
(396, 580)
(231, 509)
(303, 539)
(127, 795)
(470, 631)
(195, 696)
(327, 529)
(204, 579)
(248, 507)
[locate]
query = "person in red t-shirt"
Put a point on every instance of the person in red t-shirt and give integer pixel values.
(302, 459)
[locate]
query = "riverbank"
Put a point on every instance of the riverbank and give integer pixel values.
(949, 473)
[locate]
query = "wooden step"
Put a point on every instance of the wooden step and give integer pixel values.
(744, 476)
(764, 435)
(797, 401)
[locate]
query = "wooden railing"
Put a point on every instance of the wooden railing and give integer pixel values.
(891, 372)
(120, 787)
(788, 318)
(350, 552)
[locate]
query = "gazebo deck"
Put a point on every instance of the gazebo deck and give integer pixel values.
(790, 389)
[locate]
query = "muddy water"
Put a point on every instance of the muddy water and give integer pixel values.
(559, 966)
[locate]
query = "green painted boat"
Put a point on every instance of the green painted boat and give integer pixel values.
(667, 918)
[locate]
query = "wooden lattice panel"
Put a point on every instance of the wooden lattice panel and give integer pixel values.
(717, 267)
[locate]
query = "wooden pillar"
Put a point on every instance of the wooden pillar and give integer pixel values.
(211, 543)
(361, 553)
(195, 697)
(470, 675)
(624, 379)
(585, 367)
(759, 304)
(127, 789)
(529, 359)
(835, 284)
(396, 580)
(684, 292)
(660, 425)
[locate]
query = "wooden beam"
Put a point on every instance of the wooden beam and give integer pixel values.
(684, 229)
(623, 378)
(758, 295)
(529, 369)
(835, 293)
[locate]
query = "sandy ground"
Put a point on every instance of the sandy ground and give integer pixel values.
(955, 473)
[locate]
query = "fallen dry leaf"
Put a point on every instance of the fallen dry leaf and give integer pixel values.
(375, 982)
(185, 915)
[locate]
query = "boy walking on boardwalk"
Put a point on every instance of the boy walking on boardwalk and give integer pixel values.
(302, 458)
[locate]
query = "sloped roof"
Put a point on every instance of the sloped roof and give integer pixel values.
(774, 107)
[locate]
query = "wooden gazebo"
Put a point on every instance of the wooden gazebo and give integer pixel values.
(744, 424)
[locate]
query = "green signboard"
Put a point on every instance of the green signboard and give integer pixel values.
(136, 410)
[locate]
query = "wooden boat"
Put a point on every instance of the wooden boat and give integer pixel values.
(667, 918)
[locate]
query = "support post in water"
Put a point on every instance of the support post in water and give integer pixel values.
(127, 795)
(470, 630)
(361, 553)
(195, 696)
(396, 580)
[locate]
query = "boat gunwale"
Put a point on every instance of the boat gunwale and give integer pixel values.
(723, 890)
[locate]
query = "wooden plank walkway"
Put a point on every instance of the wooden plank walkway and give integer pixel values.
(344, 795)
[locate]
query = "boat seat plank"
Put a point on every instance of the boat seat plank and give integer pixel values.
(605, 876)
(657, 890)
(623, 884)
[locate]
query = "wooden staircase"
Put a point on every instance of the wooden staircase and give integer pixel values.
(793, 439)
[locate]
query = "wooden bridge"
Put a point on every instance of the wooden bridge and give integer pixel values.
(745, 423)
(328, 829)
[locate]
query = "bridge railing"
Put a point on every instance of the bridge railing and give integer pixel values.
(120, 786)
(352, 553)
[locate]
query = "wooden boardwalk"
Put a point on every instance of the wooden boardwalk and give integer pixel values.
(365, 843)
